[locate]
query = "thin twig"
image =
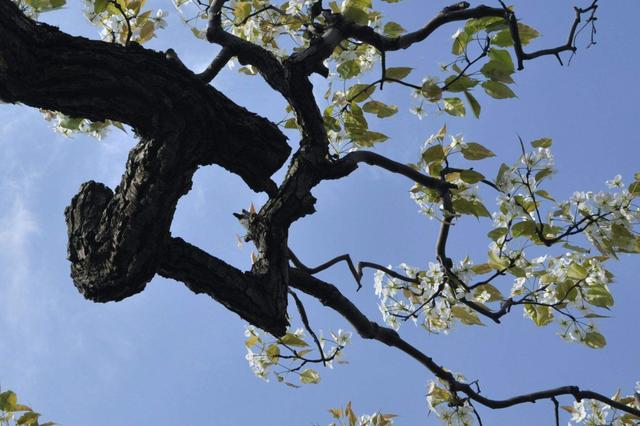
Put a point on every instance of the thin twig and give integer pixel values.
(305, 321)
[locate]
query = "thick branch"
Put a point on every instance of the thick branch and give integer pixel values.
(45, 68)
(116, 238)
(238, 291)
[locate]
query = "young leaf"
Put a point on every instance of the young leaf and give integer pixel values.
(475, 105)
(433, 153)
(398, 73)
(393, 29)
(465, 316)
(475, 151)
(595, 340)
(498, 90)
(290, 339)
(454, 106)
(380, 109)
(542, 143)
(310, 376)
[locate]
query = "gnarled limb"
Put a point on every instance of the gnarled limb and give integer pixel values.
(116, 239)
(43, 67)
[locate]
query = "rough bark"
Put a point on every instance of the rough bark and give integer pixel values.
(117, 238)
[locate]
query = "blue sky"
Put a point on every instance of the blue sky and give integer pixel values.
(169, 357)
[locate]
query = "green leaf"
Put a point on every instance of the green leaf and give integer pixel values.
(360, 92)
(397, 73)
(380, 109)
(634, 188)
(500, 67)
(544, 194)
(493, 291)
(577, 271)
(576, 248)
(455, 83)
(460, 41)
(292, 123)
(354, 121)
(526, 228)
(71, 123)
(475, 151)
(596, 316)
(290, 339)
(454, 106)
(496, 234)
(471, 176)
(28, 418)
(475, 208)
(431, 91)
(146, 32)
(497, 263)
(251, 341)
(368, 138)
(475, 105)
(542, 143)
(465, 316)
(543, 173)
(595, 340)
(482, 268)
(478, 24)
(393, 29)
(527, 33)
(8, 401)
(433, 153)
(349, 69)
(498, 90)
(100, 5)
(541, 315)
(273, 353)
(438, 395)
(248, 70)
(567, 290)
(310, 376)
(504, 39)
(356, 10)
(599, 295)
(241, 10)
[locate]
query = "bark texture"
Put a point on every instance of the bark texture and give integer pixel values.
(118, 238)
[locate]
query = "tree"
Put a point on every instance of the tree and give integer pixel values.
(119, 240)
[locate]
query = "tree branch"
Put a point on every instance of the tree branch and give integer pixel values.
(349, 163)
(568, 46)
(248, 53)
(331, 297)
(216, 65)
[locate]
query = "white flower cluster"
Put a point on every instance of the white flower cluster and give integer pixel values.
(443, 403)
(287, 355)
(589, 412)
(296, 6)
(568, 288)
(427, 302)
